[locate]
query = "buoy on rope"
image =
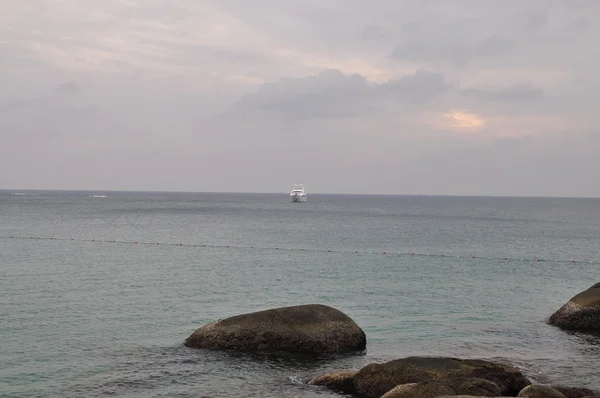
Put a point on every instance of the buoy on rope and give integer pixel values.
(399, 253)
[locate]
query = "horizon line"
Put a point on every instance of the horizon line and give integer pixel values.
(314, 193)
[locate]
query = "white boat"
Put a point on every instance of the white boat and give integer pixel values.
(298, 193)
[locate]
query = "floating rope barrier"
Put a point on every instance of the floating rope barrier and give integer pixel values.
(390, 253)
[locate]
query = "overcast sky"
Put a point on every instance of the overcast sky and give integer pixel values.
(465, 97)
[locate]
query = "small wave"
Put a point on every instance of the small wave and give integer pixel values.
(98, 196)
(296, 380)
(376, 210)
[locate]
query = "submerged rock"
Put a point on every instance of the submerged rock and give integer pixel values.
(436, 388)
(306, 329)
(460, 396)
(340, 382)
(540, 391)
(374, 380)
(576, 392)
(581, 312)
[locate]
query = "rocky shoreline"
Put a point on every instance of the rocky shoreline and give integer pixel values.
(431, 377)
(318, 329)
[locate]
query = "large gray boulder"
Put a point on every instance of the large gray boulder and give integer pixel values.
(304, 329)
(374, 380)
(581, 312)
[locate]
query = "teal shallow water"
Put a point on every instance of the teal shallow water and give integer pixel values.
(97, 318)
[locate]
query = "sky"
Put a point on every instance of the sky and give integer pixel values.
(452, 97)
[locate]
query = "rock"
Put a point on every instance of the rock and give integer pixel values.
(411, 390)
(540, 391)
(435, 388)
(581, 312)
(308, 329)
(339, 382)
(576, 392)
(374, 380)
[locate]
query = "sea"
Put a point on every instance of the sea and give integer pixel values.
(99, 290)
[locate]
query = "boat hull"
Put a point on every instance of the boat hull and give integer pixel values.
(298, 198)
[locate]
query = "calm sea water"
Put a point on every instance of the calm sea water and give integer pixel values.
(81, 318)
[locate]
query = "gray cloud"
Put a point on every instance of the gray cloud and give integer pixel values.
(579, 25)
(517, 92)
(329, 94)
(375, 32)
(68, 89)
(333, 94)
(420, 87)
(453, 51)
(59, 98)
(492, 45)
